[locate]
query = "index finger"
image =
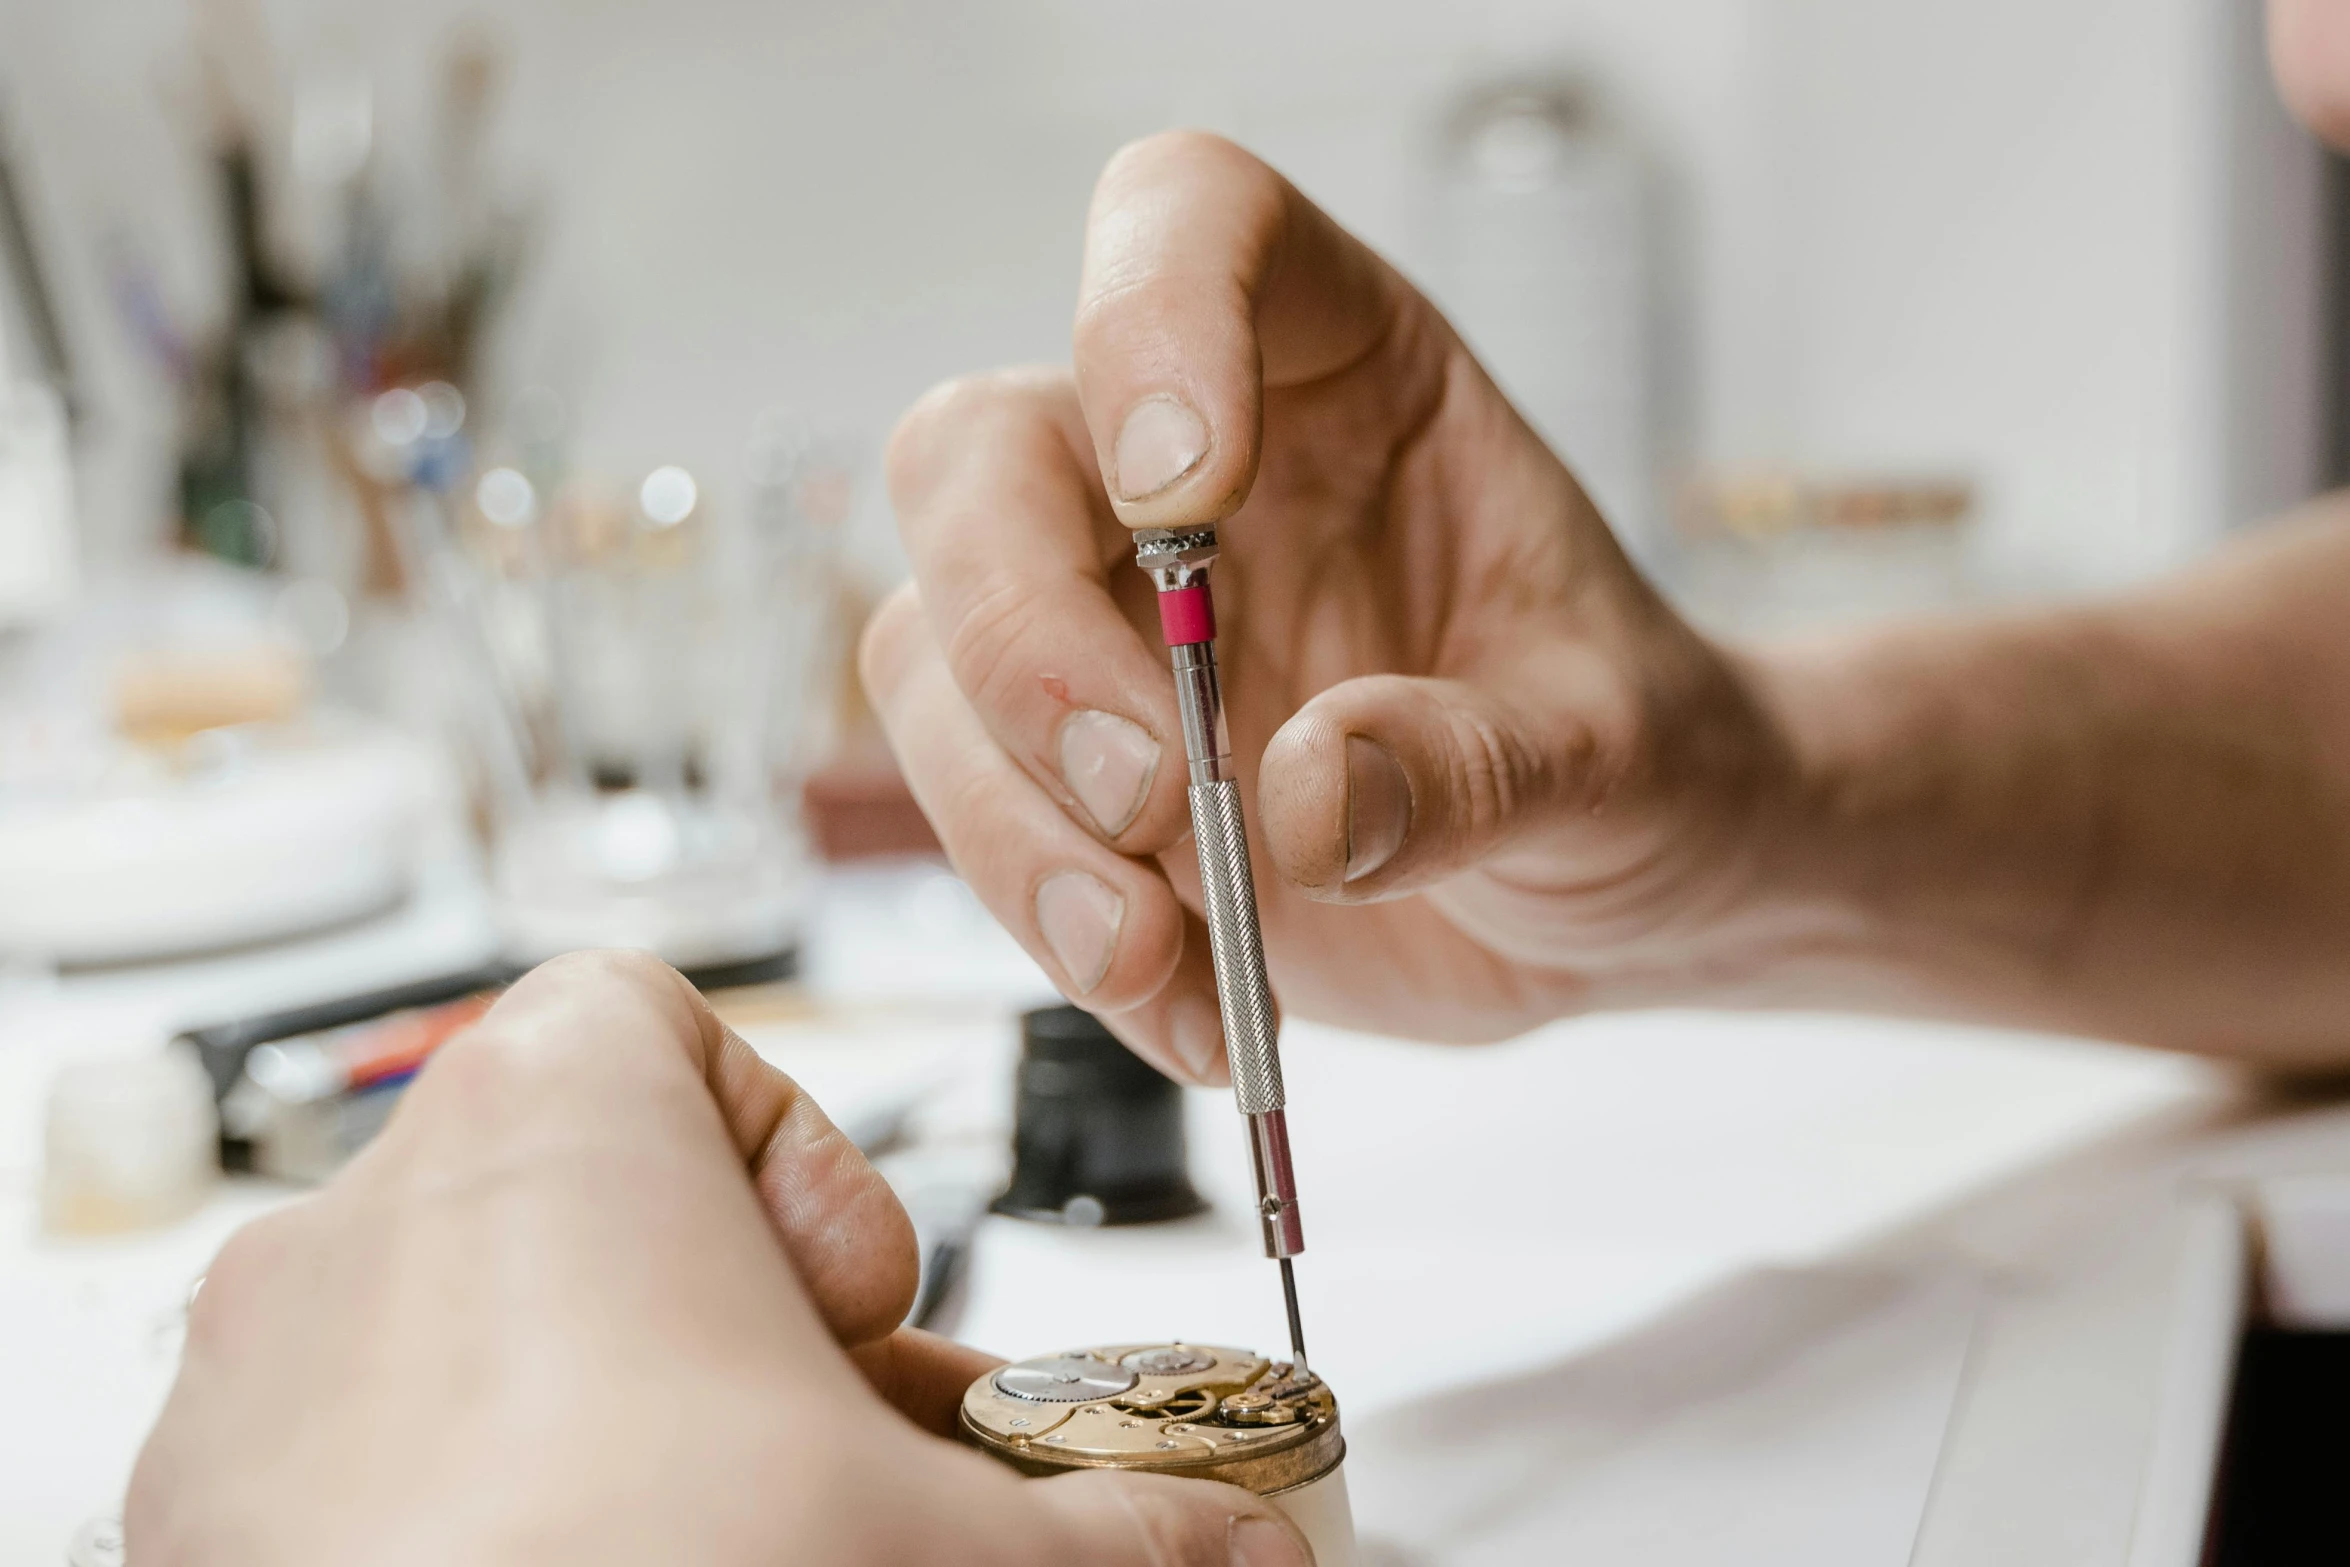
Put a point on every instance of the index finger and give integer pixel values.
(1208, 278)
(1020, 569)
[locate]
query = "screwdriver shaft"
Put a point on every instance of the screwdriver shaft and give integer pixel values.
(1297, 1327)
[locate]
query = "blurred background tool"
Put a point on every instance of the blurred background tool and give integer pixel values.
(304, 1103)
(225, 1047)
(1097, 1132)
(1177, 562)
(34, 319)
(38, 406)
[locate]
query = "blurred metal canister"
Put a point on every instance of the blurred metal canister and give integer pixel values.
(1545, 260)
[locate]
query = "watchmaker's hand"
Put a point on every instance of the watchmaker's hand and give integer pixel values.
(1498, 778)
(602, 1293)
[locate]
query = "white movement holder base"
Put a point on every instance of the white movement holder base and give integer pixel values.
(1322, 1513)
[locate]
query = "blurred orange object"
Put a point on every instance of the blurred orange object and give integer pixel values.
(388, 1048)
(164, 695)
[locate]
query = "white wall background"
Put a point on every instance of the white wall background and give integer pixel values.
(1993, 236)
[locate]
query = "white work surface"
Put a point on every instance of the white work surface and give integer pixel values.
(1580, 1294)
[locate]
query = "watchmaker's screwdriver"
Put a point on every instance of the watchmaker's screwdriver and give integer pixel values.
(1177, 560)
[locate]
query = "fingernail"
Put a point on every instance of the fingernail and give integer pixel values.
(1080, 918)
(1160, 442)
(1199, 1037)
(1378, 806)
(1108, 763)
(1260, 1542)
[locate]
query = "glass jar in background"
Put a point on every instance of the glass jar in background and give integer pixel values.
(37, 561)
(637, 672)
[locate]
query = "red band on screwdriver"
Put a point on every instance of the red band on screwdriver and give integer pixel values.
(1187, 615)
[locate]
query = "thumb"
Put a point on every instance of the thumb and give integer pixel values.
(1387, 784)
(1108, 1518)
(1207, 279)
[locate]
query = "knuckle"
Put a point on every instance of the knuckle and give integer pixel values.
(990, 647)
(883, 648)
(1507, 772)
(542, 1010)
(1208, 175)
(970, 805)
(1139, 295)
(922, 432)
(1132, 299)
(489, 1064)
(932, 434)
(1493, 772)
(1143, 268)
(602, 968)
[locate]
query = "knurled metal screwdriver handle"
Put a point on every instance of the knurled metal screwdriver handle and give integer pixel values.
(1236, 947)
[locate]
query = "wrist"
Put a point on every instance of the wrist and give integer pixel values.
(1815, 921)
(1936, 837)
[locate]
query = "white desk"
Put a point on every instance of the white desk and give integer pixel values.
(1630, 1175)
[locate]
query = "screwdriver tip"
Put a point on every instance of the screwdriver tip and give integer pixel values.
(1297, 1331)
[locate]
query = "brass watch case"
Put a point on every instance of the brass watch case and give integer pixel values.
(1240, 1418)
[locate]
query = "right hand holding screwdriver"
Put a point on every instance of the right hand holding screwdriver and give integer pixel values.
(1495, 777)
